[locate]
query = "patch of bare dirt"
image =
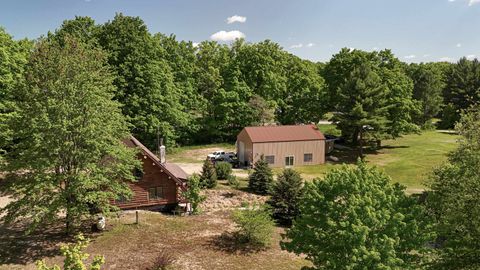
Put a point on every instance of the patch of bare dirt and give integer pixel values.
(229, 199)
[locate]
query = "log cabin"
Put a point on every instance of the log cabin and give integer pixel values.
(158, 186)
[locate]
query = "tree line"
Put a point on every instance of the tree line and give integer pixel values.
(207, 93)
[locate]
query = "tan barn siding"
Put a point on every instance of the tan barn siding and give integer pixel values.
(243, 137)
(152, 177)
(296, 148)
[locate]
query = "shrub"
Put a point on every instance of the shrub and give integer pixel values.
(255, 226)
(260, 181)
(192, 194)
(163, 261)
(208, 178)
(223, 169)
(233, 181)
(74, 257)
(287, 193)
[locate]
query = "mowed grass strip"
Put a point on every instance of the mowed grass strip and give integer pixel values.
(407, 160)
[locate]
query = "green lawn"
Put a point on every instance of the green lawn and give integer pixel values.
(407, 160)
(196, 153)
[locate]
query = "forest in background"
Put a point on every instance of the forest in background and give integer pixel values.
(191, 94)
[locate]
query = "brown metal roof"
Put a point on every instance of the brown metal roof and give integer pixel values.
(170, 168)
(284, 133)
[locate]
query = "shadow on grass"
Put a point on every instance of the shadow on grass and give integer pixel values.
(230, 242)
(18, 248)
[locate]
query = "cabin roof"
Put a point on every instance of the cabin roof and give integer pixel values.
(173, 170)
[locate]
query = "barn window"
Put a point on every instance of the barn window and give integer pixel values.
(289, 161)
(155, 193)
(270, 159)
(308, 157)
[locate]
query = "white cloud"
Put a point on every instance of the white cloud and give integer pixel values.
(458, 45)
(473, 2)
(426, 55)
(195, 44)
(236, 18)
(411, 56)
(451, 0)
(227, 36)
(375, 48)
(296, 46)
(309, 45)
(446, 59)
(471, 56)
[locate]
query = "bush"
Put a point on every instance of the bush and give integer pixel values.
(192, 194)
(260, 181)
(287, 193)
(163, 261)
(255, 226)
(233, 181)
(208, 178)
(223, 169)
(74, 257)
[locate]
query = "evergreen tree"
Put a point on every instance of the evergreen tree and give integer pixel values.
(355, 219)
(286, 195)
(462, 89)
(261, 180)
(69, 136)
(208, 177)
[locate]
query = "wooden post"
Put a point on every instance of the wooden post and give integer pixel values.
(136, 217)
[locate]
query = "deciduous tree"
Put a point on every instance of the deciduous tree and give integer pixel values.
(69, 157)
(355, 219)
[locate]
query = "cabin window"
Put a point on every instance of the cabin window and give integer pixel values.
(289, 161)
(155, 193)
(308, 157)
(138, 174)
(270, 159)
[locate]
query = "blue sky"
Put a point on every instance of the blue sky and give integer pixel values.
(416, 30)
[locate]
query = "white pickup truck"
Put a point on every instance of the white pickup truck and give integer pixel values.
(216, 155)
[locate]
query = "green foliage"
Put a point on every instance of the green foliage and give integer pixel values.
(454, 200)
(286, 196)
(427, 91)
(192, 194)
(69, 136)
(261, 179)
(75, 257)
(208, 177)
(255, 226)
(145, 83)
(462, 88)
(355, 219)
(223, 170)
(13, 57)
(233, 181)
(370, 94)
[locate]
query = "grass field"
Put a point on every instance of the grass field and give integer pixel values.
(407, 160)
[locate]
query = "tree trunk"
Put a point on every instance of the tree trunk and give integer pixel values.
(355, 134)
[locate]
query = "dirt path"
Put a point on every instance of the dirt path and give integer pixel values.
(191, 168)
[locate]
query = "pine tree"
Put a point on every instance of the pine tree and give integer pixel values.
(208, 178)
(69, 136)
(286, 195)
(260, 181)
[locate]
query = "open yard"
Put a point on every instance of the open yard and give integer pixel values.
(199, 242)
(407, 160)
